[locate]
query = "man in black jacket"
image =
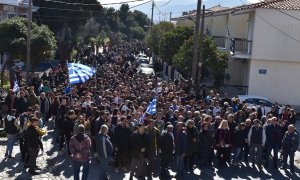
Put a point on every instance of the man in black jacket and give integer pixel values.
(20, 103)
(139, 148)
(68, 128)
(33, 143)
(167, 149)
(121, 142)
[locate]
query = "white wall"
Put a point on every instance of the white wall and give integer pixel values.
(238, 69)
(238, 25)
(281, 83)
(276, 36)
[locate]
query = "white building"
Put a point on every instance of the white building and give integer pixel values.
(11, 8)
(264, 42)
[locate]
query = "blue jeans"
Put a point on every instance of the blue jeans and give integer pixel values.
(236, 156)
(11, 139)
(85, 169)
(179, 164)
(103, 167)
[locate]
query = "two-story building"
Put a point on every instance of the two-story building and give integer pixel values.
(264, 42)
(12, 8)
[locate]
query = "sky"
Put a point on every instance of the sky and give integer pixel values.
(179, 1)
(175, 6)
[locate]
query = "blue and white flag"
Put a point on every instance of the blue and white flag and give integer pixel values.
(151, 109)
(16, 87)
(79, 73)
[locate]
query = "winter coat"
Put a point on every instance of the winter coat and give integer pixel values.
(81, 147)
(290, 142)
(181, 143)
(122, 137)
(139, 141)
(222, 137)
(193, 146)
(104, 146)
(166, 144)
(273, 135)
(238, 138)
(206, 141)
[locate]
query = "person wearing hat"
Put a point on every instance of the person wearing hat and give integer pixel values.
(33, 144)
(80, 146)
(256, 141)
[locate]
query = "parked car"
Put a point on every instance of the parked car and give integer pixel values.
(258, 100)
(146, 69)
(142, 61)
(141, 56)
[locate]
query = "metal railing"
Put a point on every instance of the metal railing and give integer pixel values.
(242, 46)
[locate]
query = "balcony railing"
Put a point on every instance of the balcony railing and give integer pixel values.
(220, 41)
(241, 46)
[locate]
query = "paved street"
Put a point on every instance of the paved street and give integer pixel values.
(59, 167)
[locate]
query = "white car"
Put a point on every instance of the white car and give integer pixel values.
(257, 101)
(146, 69)
(141, 56)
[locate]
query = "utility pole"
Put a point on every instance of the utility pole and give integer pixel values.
(28, 39)
(200, 55)
(196, 45)
(152, 15)
(170, 16)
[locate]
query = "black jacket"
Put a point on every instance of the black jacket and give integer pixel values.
(238, 138)
(122, 137)
(68, 126)
(32, 137)
(139, 141)
(166, 144)
(20, 104)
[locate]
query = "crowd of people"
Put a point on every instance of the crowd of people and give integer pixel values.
(105, 120)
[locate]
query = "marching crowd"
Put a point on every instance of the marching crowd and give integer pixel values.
(105, 118)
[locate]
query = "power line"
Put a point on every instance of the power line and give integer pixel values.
(165, 3)
(284, 33)
(140, 4)
(83, 4)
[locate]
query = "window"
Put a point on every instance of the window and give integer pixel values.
(265, 102)
(23, 15)
(10, 15)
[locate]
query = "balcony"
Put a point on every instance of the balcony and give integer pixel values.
(241, 47)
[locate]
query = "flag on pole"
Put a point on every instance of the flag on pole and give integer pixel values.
(79, 73)
(16, 87)
(151, 109)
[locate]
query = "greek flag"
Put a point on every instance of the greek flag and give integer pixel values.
(79, 73)
(151, 109)
(16, 87)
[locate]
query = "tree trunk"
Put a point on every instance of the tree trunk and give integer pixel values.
(2, 72)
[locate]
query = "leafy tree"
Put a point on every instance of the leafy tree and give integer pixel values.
(213, 59)
(172, 40)
(138, 33)
(13, 35)
(182, 61)
(154, 36)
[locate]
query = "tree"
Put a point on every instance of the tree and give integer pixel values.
(182, 61)
(171, 42)
(154, 37)
(213, 59)
(13, 35)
